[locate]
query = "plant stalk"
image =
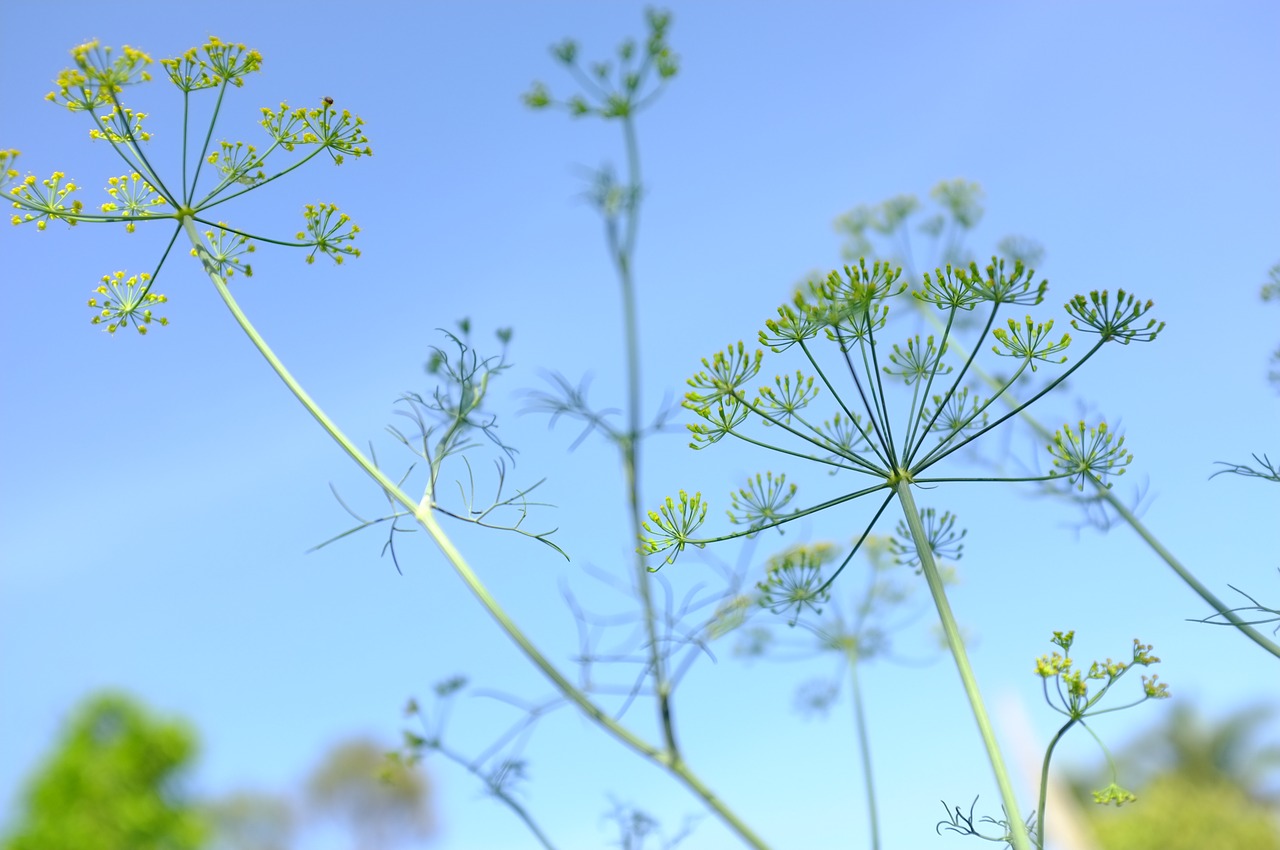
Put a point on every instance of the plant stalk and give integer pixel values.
(1044, 777)
(1017, 829)
(864, 747)
(623, 253)
(427, 520)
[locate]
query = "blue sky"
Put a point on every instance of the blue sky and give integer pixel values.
(160, 494)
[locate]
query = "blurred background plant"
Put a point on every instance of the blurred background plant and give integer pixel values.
(114, 781)
(1200, 782)
(119, 779)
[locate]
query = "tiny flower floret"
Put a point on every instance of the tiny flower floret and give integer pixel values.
(1113, 793)
(239, 163)
(796, 322)
(725, 374)
(918, 361)
(224, 250)
(220, 64)
(45, 200)
(720, 422)
(328, 232)
(98, 78)
(1094, 454)
(959, 414)
(940, 534)
(120, 302)
(793, 582)
(672, 526)
(852, 307)
(950, 289)
(121, 125)
(1000, 288)
(1029, 342)
(131, 197)
(762, 501)
(340, 133)
(785, 399)
(862, 285)
(7, 172)
(844, 436)
(1118, 322)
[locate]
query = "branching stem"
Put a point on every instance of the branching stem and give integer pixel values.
(429, 523)
(622, 252)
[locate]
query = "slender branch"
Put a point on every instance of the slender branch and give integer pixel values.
(431, 525)
(864, 748)
(1185, 574)
(495, 788)
(623, 257)
(1044, 777)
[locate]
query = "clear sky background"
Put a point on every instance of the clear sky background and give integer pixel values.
(159, 493)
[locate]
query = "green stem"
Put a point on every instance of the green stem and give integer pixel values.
(1044, 779)
(1186, 575)
(864, 747)
(1017, 829)
(623, 256)
(425, 517)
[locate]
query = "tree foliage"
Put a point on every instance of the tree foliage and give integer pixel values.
(1199, 785)
(113, 782)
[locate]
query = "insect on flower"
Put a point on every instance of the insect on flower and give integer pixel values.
(328, 101)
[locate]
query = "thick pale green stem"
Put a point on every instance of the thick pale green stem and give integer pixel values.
(955, 642)
(428, 521)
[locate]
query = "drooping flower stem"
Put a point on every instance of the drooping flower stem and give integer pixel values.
(1044, 776)
(955, 642)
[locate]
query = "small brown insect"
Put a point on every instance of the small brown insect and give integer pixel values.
(328, 101)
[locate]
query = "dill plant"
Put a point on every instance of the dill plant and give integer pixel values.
(885, 231)
(447, 421)
(894, 417)
(868, 432)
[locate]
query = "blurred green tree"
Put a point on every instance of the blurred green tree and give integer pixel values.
(113, 782)
(1199, 784)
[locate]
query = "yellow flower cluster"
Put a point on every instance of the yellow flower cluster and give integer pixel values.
(47, 203)
(97, 77)
(222, 63)
(132, 196)
(126, 302)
